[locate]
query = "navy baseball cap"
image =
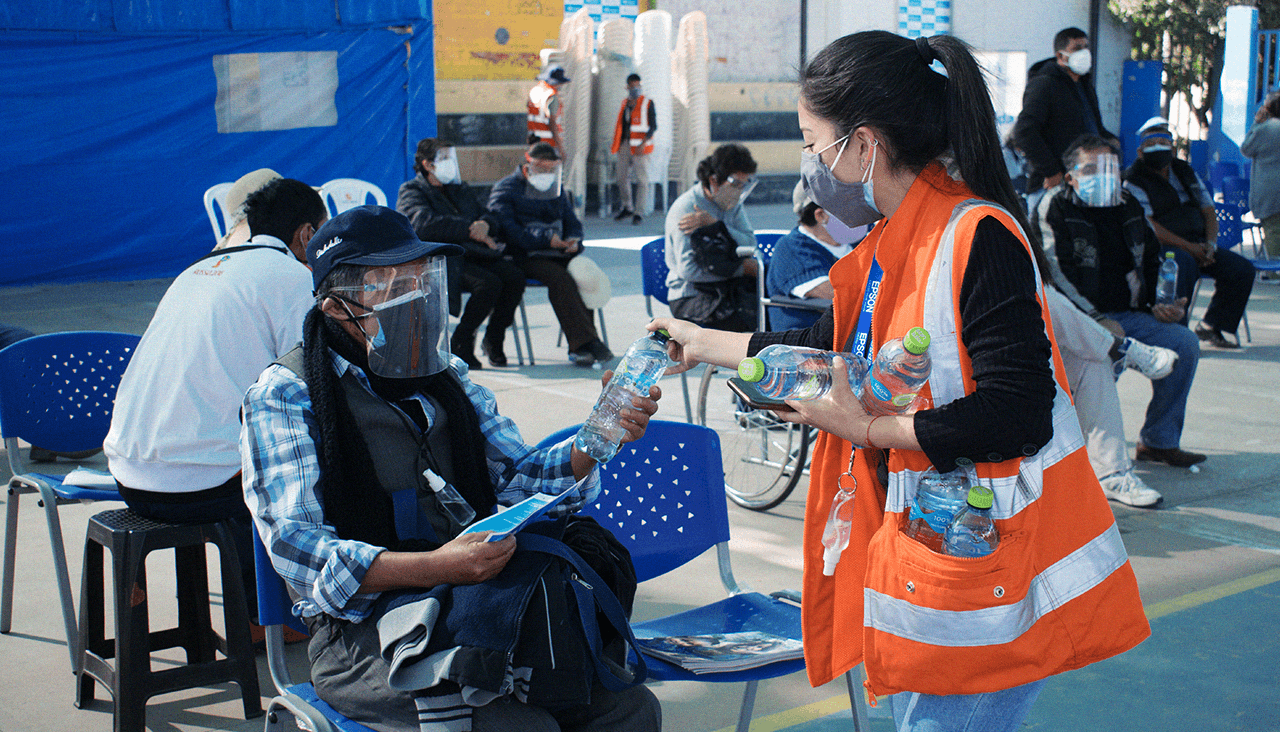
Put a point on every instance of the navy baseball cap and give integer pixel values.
(373, 236)
(554, 75)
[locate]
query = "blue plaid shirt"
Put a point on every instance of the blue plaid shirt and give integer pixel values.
(281, 471)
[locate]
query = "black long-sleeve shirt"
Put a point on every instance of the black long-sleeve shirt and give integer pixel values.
(1010, 412)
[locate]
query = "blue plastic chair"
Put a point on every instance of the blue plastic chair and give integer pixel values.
(1231, 231)
(663, 497)
(765, 244)
(298, 701)
(653, 279)
(56, 391)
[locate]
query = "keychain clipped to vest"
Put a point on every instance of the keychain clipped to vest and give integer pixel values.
(835, 537)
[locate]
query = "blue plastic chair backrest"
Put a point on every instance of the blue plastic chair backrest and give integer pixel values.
(765, 242)
(1221, 169)
(58, 390)
(653, 269)
(1235, 192)
(274, 604)
(662, 495)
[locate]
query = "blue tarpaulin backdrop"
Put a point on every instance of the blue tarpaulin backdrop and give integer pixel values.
(111, 128)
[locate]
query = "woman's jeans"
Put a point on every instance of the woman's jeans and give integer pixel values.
(998, 711)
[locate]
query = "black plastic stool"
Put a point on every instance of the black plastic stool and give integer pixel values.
(131, 681)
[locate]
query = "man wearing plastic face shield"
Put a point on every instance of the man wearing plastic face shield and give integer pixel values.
(362, 472)
(1179, 208)
(1095, 178)
(1111, 257)
(543, 233)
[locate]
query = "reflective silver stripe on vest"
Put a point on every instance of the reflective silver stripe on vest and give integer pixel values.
(1065, 580)
(946, 383)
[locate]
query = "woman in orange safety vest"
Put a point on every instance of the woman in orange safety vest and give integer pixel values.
(961, 643)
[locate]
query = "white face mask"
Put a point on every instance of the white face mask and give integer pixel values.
(542, 181)
(1080, 61)
(447, 168)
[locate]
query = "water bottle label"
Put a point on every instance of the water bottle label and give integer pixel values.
(937, 520)
(880, 391)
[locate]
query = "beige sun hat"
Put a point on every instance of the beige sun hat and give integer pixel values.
(593, 283)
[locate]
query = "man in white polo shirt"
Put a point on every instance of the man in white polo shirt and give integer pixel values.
(174, 441)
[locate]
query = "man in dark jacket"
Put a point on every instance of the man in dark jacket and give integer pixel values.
(444, 209)
(1058, 106)
(1178, 205)
(1101, 240)
(544, 233)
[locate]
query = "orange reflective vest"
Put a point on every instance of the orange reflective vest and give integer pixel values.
(640, 145)
(1057, 594)
(539, 103)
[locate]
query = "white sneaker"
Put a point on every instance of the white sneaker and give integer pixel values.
(1127, 488)
(1152, 362)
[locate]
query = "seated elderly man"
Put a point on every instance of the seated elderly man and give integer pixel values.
(1106, 249)
(544, 233)
(367, 450)
(1178, 205)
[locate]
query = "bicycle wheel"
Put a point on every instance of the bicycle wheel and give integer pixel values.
(764, 457)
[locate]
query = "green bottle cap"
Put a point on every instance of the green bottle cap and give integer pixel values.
(751, 369)
(916, 341)
(981, 496)
(665, 336)
(1168, 255)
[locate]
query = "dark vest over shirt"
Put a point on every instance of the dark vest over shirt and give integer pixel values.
(1185, 219)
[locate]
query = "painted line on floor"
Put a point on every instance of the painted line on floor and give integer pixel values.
(840, 703)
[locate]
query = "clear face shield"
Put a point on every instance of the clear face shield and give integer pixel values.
(446, 163)
(1097, 177)
(545, 179)
(734, 190)
(407, 320)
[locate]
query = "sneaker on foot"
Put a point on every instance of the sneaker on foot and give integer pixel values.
(1174, 456)
(493, 350)
(599, 350)
(636, 219)
(1152, 362)
(582, 357)
(623, 214)
(1127, 488)
(1213, 336)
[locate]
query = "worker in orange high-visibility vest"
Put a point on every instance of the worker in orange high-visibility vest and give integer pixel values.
(637, 121)
(545, 106)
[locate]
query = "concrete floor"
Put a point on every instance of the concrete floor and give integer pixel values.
(1207, 560)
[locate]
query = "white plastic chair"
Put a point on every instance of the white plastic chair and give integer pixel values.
(215, 203)
(348, 193)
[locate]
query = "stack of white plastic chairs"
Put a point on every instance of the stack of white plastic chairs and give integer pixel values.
(653, 63)
(577, 44)
(614, 45)
(689, 96)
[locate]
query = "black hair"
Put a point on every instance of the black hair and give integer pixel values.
(884, 81)
(1085, 142)
(727, 159)
(544, 151)
(632, 77)
(1272, 103)
(427, 149)
(808, 214)
(281, 206)
(1066, 36)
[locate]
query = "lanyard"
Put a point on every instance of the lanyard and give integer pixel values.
(860, 341)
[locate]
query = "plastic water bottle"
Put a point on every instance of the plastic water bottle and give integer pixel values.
(899, 372)
(639, 369)
(939, 497)
(1167, 281)
(972, 532)
(794, 372)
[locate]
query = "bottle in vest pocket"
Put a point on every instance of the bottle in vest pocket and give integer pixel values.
(450, 499)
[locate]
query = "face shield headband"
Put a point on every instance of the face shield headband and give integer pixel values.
(734, 191)
(407, 323)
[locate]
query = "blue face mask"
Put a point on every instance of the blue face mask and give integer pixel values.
(853, 204)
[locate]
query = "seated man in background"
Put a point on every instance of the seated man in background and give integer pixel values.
(173, 445)
(543, 232)
(802, 260)
(1106, 249)
(1178, 205)
(443, 208)
(339, 431)
(708, 282)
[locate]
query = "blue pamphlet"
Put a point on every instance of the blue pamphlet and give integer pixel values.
(511, 519)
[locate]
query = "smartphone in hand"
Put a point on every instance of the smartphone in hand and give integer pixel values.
(750, 394)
